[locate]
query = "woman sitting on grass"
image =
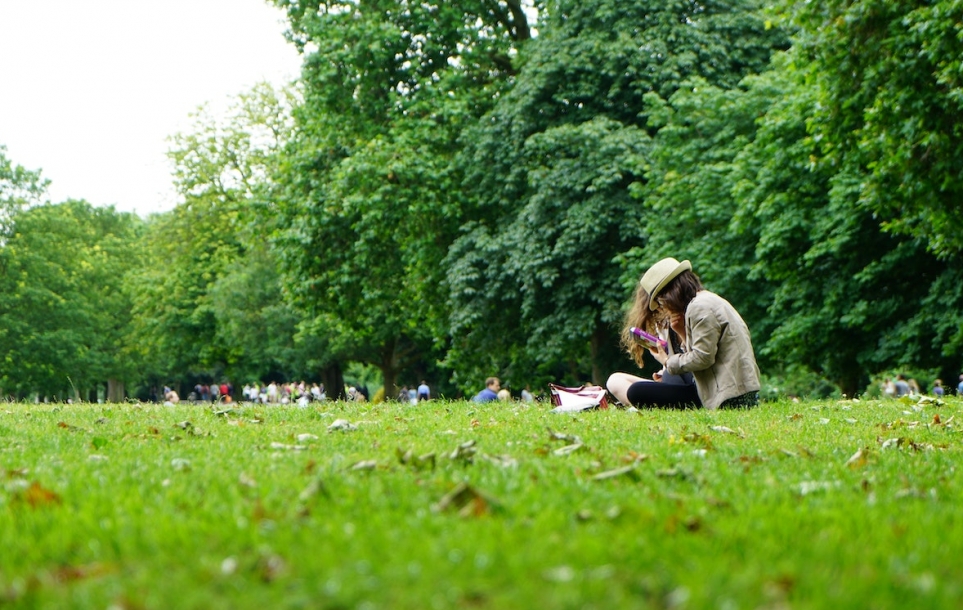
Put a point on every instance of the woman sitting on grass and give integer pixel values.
(704, 335)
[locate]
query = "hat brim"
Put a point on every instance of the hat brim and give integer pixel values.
(670, 275)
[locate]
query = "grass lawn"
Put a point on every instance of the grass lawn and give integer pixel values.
(453, 505)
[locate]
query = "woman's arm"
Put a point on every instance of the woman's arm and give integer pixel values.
(703, 330)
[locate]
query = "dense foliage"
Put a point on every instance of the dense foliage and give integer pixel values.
(459, 190)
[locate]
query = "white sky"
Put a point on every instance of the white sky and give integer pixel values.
(91, 89)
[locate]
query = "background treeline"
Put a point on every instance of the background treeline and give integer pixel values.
(455, 190)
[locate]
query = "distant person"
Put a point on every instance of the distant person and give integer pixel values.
(705, 348)
(902, 387)
(527, 395)
(959, 388)
(889, 388)
(171, 398)
(938, 388)
(424, 392)
(490, 393)
(504, 395)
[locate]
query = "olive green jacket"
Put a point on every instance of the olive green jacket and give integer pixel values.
(718, 351)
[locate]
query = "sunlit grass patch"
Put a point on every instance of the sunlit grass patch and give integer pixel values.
(453, 504)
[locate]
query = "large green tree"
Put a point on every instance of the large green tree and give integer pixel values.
(210, 303)
(65, 313)
(776, 228)
(371, 198)
(890, 86)
(552, 168)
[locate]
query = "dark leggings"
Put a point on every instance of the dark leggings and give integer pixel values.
(655, 395)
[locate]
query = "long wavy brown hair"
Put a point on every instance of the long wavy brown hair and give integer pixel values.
(640, 316)
(674, 297)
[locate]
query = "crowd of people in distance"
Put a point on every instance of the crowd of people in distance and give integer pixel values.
(272, 393)
(493, 391)
(901, 386)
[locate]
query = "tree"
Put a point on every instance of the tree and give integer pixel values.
(552, 168)
(19, 187)
(890, 93)
(64, 312)
(841, 293)
(211, 270)
(370, 202)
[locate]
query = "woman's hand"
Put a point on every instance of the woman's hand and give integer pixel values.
(659, 354)
(677, 322)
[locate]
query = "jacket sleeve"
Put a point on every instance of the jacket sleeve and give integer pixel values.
(703, 331)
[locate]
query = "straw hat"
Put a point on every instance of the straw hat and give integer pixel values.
(659, 275)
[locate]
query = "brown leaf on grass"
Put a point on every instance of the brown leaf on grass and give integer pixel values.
(568, 449)
(66, 426)
(504, 461)
(690, 523)
(467, 501)
(286, 447)
(464, 452)
(36, 495)
(858, 459)
(364, 465)
(342, 425)
(66, 574)
(693, 438)
(625, 471)
(270, 566)
(890, 442)
(633, 456)
(572, 439)
(936, 419)
(674, 473)
(314, 489)
(418, 462)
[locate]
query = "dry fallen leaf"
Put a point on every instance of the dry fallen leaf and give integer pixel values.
(37, 495)
(858, 459)
(568, 449)
(728, 430)
(342, 425)
(464, 452)
(568, 438)
(408, 458)
(468, 501)
(626, 471)
(891, 442)
(505, 461)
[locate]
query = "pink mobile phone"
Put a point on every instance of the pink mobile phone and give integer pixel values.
(641, 334)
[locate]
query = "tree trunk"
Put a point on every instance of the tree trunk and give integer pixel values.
(333, 379)
(115, 391)
(389, 369)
